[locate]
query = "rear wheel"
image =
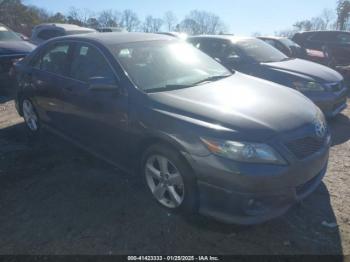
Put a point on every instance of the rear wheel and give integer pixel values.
(169, 179)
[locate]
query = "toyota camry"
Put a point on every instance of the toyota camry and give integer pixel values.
(204, 139)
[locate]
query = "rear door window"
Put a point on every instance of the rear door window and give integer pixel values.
(343, 38)
(322, 37)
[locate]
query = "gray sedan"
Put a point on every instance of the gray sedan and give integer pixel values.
(228, 145)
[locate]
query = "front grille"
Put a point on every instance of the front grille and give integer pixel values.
(305, 147)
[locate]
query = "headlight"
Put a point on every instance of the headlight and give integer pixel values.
(308, 86)
(243, 151)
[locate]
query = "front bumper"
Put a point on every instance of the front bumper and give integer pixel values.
(331, 103)
(242, 193)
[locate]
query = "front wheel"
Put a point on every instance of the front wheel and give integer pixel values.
(30, 116)
(169, 179)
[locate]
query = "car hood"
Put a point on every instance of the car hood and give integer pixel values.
(255, 108)
(306, 69)
(14, 47)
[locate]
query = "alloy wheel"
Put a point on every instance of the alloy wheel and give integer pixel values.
(29, 115)
(165, 181)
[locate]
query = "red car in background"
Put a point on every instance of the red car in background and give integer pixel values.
(292, 49)
(334, 44)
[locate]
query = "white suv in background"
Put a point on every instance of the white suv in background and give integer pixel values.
(44, 32)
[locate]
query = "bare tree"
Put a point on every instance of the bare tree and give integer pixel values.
(286, 33)
(130, 20)
(189, 26)
(328, 16)
(92, 22)
(73, 14)
(170, 20)
(109, 18)
(317, 23)
(304, 25)
(57, 18)
(343, 10)
(202, 22)
(152, 25)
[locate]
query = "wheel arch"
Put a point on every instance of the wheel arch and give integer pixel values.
(19, 98)
(166, 141)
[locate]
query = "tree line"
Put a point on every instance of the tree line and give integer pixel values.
(329, 19)
(22, 18)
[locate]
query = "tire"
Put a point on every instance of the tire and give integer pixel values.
(30, 116)
(175, 177)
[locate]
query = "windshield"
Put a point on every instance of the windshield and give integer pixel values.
(260, 51)
(7, 35)
(164, 65)
(288, 42)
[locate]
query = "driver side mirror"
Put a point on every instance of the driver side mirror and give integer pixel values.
(102, 84)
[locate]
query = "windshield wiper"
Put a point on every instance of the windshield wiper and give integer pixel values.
(167, 88)
(211, 79)
(175, 87)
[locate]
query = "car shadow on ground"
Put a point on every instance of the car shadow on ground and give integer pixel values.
(340, 129)
(4, 99)
(57, 199)
(6, 94)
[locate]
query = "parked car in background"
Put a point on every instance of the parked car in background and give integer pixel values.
(335, 45)
(12, 48)
(228, 145)
(44, 32)
(22, 36)
(179, 35)
(110, 29)
(324, 86)
(292, 49)
(286, 46)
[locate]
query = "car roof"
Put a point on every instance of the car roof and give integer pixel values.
(114, 38)
(324, 31)
(224, 37)
(66, 27)
(272, 37)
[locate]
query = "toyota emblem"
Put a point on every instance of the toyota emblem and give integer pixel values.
(320, 128)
